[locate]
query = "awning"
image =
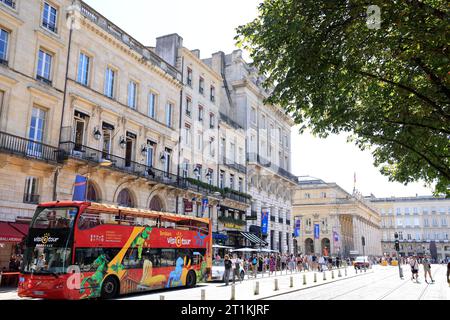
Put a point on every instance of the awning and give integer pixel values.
(21, 227)
(9, 234)
(254, 238)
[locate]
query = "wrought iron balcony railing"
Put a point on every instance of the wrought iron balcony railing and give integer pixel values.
(28, 148)
(234, 165)
(78, 151)
(256, 158)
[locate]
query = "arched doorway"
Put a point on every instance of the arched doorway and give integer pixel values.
(309, 246)
(326, 247)
(92, 194)
(125, 199)
(156, 204)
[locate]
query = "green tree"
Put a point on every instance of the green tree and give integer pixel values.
(335, 70)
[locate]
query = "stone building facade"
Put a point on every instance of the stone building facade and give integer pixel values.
(422, 223)
(268, 154)
(332, 221)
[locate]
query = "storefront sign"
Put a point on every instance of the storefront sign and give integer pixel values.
(232, 226)
(316, 231)
(264, 221)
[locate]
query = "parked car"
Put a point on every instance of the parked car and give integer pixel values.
(361, 262)
(218, 271)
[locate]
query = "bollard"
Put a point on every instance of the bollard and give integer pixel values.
(315, 277)
(276, 285)
(161, 297)
(332, 274)
(365, 269)
(304, 279)
(233, 292)
(324, 276)
(339, 273)
(292, 282)
(203, 294)
(256, 288)
(345, 271)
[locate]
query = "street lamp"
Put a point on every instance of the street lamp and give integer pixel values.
(97, 134)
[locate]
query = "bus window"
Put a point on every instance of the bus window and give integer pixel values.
(89, 220)
(168, 258)
(154, 255)
(86, 257)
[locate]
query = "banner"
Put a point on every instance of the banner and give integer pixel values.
(297, 227)
(79, 192)
(316, 231)
(335, 236)
(204, 205)
(264, 221)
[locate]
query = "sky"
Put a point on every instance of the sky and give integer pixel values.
(209, 25)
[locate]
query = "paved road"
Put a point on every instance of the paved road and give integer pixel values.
(378, 283)
(383, 284)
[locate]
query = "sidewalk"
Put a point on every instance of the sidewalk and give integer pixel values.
(246, 289)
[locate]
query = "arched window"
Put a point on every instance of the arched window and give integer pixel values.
(156, 204)
(124, 199)
(92, 193)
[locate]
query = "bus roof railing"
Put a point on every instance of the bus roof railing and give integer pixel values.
(143, 213)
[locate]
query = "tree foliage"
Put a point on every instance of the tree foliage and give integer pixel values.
(388, 87)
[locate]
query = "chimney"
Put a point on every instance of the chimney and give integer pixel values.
(196, 53)
(218, 62)
(167, 47)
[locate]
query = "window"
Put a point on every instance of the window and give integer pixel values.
(151, 146)
(210, 176)
(425, 222)
(253, 115)
(323, 194)
(398, 211)
(263, 122)
(435, 222)
(107, 134)
(187, 134)
(212, 120)
(416, 222)
(241, 185)
(280, 135)
(286, 141)
(200, 113)
(222, 179)
(408, 236)
(443, 222)
(188, 106)
(44, 66)
(201, 85)
(211, 147)
(49, 17)
(189, 77)
(232, 152)
(110, 78)
(4, 40)
(152, 105)
(185, 168)
(169, 109)
(199, 141)
(83, 69)
(37, 125)
(132, 94)
(10, 3)
(400, 235)
(231, 181)
(399, 222)
(307, 196)
(212, 94)
(31, 191)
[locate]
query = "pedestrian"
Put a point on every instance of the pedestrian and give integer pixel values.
(272, 264)
(427, 269)
(330, 263)
(254, 264)
(414, 269)
(338, 262)
(283, 262)
(228, 267)
(448, 273)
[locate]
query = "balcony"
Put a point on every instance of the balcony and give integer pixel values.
(206, 188)
(29, 149)
(81, 152)
(234, 165)
(229, 121)
(256, 158)
(31, 198)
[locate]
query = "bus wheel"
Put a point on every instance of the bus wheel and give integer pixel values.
(191, 279)
(110, 288)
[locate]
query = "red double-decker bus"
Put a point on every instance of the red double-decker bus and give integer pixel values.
(78, 250)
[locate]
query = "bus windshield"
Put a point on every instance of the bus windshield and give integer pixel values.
(49, 241)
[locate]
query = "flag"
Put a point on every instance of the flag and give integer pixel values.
(79, 191)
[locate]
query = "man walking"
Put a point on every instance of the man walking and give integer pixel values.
(254, 263)
(414, 269)
(228, 266)
(427, 269)
(236, 268)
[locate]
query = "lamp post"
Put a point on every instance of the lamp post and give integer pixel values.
(397, 248)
